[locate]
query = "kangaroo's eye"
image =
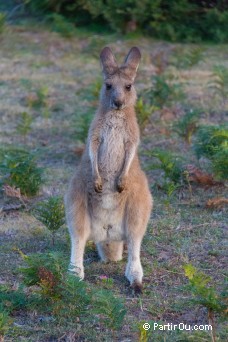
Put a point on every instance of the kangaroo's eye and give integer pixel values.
(108, 86)
(128, 87)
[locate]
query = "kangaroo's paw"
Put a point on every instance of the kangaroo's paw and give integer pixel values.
(121, 184)
(98, 184)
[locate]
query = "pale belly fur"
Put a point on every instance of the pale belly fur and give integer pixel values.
(107, 220)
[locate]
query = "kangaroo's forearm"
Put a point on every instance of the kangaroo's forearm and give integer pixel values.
(130, 150)
(93, 154)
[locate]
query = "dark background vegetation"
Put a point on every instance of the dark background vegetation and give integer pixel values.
(175, 20)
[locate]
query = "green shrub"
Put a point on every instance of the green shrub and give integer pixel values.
(82, 126)
(118, 13)
(19, 169)
(96, 44)
(214, 24)
(5, 323)
(2, 22)
(72, 11)
(110, 308)
(187, 124)
(39, 99)
(12, 300)
(96, 88)
(45, 270)
(205, 294)
(212, 143)
(174, 20)
(143, 112)
(51, 213)
(24, 125)
(188, 58)
(172, 169)
(219, 81)
(210, 140)
(62, 26)
(66, 296)
(192, 21)
(220, 164)
(92, 92)
(164, 92)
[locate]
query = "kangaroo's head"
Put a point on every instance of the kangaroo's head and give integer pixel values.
(118, 90)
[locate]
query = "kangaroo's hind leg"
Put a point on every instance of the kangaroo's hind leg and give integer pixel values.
(136, 220)
(110, 251)
(78, 221)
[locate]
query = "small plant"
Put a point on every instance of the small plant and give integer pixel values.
(5, 323)
(212, 142)
(25, 122)
(172, 175)
(171, 165)
(105, 281)
(143, 111)
(220, 164)
(92, 93)
(51, 214)
(96, 87)
(189, 58)
(188, 124)
(19, 169)
(2, 22)
(164, 92)
(82, 126)
(170, 187)
(219, 82)
(44, 270)
(204, 294)
(39, 99)
(11, 299)
(143, 333)
(62, 26)
(95, 44)
(109, 306)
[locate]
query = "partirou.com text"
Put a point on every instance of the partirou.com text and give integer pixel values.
(179, 326)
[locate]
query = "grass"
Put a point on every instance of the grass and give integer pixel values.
(62, 74)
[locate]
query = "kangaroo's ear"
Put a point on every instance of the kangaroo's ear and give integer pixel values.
(131, 62)
(108, 62)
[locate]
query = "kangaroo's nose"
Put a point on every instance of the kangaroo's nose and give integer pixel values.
(118, 104)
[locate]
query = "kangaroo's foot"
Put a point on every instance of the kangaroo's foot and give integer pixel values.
(137, 288)
(77, 270)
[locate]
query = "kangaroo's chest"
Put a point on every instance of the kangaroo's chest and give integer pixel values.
(111, 152)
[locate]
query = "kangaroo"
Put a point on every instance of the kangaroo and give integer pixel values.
(108, 200)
